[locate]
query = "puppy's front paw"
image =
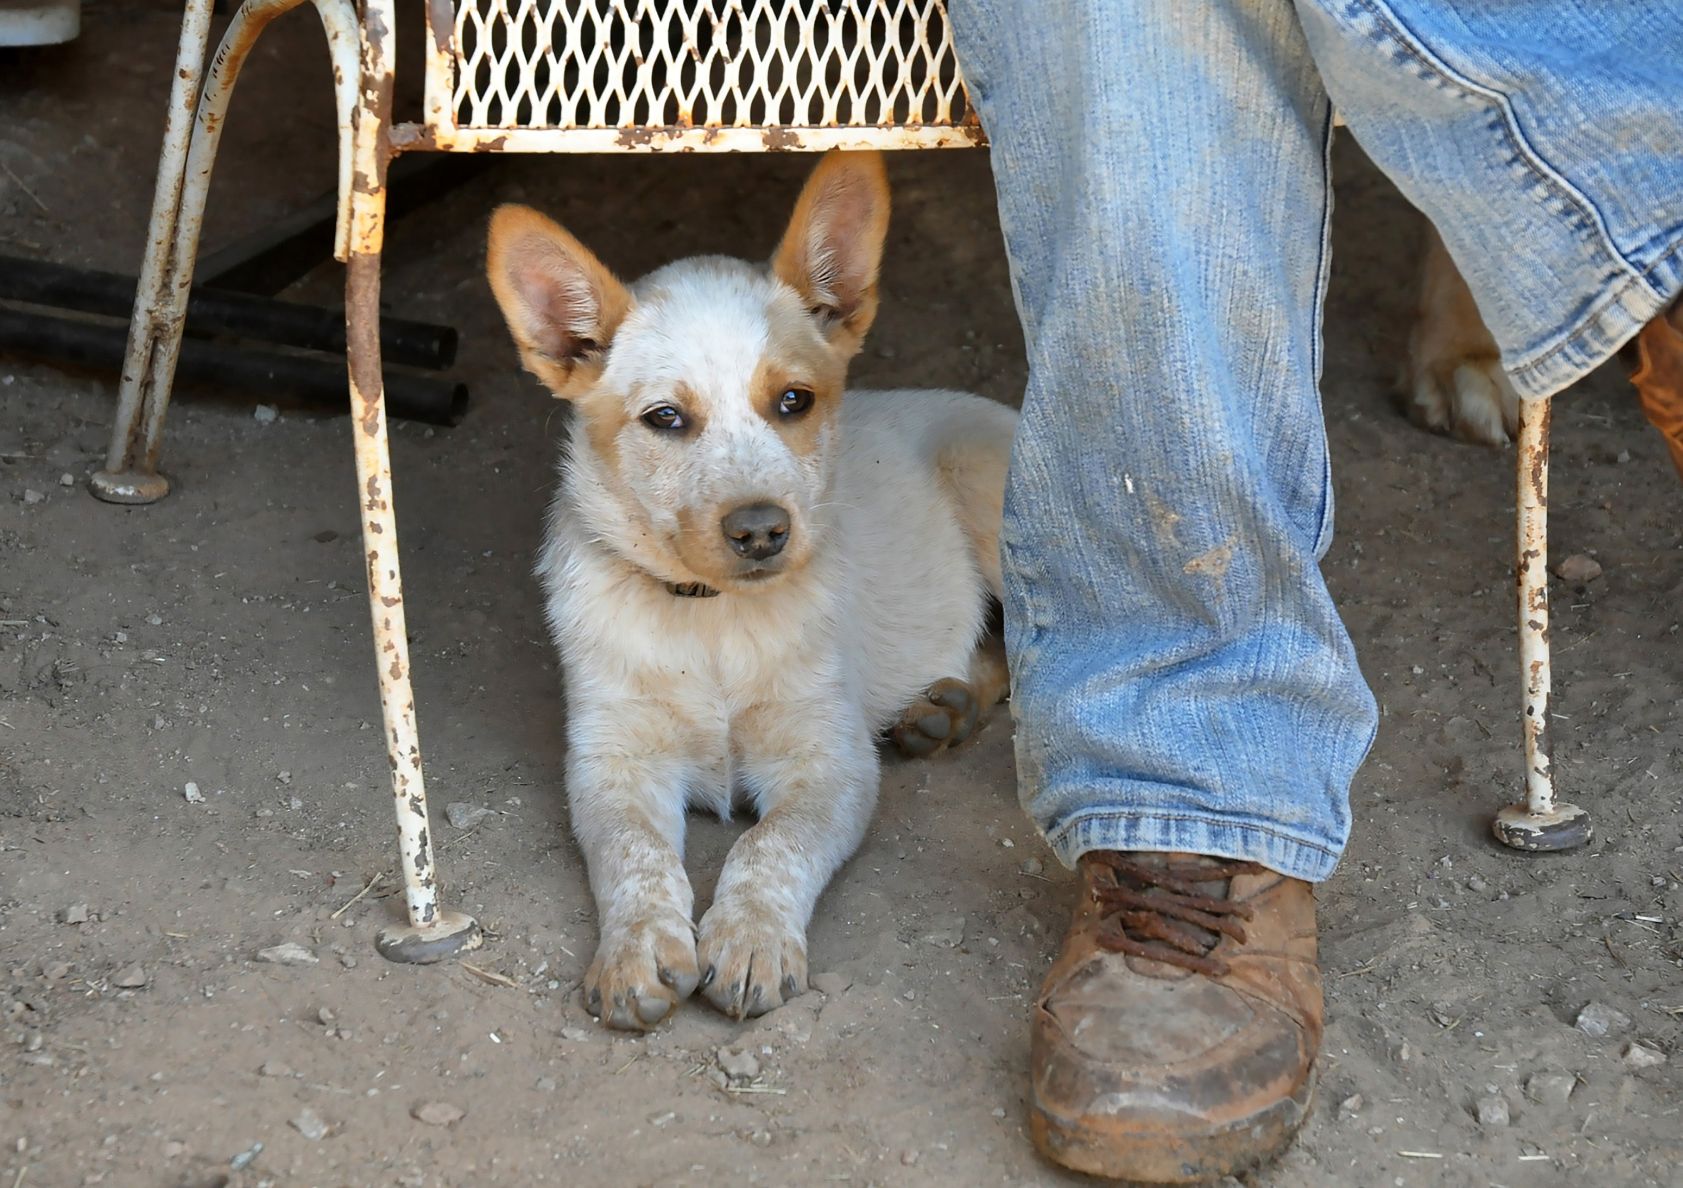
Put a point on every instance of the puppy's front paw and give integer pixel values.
(642, 970)
(943, 717)
(751, 961)
(1469, 398)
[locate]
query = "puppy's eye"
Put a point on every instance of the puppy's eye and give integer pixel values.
(664, 417)
(794, 402)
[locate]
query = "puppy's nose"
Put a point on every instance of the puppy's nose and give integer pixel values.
(757, 531)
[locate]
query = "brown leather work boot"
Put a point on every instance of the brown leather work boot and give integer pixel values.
(1659, 378)
(1175, 1036)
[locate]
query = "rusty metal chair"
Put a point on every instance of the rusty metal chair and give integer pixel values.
(596, 76)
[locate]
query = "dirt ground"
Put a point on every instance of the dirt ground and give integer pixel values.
(220, 638)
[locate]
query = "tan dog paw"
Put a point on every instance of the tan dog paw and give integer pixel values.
(943, 717)
(1468, 398)
(641, 971)
(751, 962)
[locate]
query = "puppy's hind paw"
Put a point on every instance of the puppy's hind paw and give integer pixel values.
(641, 971)
(943, 717)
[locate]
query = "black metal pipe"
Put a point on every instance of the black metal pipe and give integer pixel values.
(320, 380)
(244, 315)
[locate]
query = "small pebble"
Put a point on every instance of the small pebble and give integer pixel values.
(284, 777)
(155, 620)
(575, 1034)
(738, 1064)
(31, 495)
(1640, 1056)
(1031, 866)
(67, 479)
(1550, 1088)
(132, 978)
(1492, 1111)
(718, 1077)
(309, 1124)
(946, 931)
(76, 913)
(909, 1158)
(463, 815)
(1577, 568)
(192, 794)
(546, 1084)
(326, 1016)
(1352, 1104)
(274, 1068)
(1476, 883)
(998, 1111)
(1623, 457)
(1598, 1019)
(290, 953)
(265, 414)
(438, 1113)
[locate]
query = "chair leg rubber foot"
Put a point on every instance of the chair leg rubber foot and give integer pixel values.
(1566, 828)
(451, 935)
(129, 486)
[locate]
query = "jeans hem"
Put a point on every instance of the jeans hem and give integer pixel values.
(1120, 829)
(1626, 308)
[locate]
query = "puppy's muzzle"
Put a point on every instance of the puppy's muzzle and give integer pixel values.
(756, 531)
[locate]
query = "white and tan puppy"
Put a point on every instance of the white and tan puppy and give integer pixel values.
(750, 577)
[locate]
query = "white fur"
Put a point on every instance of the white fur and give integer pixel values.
(770, 696)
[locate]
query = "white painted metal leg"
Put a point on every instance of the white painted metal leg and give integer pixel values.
(1540, 823)
(431, 933)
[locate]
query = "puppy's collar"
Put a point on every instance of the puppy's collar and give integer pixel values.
(690, 590)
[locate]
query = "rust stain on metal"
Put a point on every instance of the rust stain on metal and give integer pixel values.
(389, 601)
(781, 140)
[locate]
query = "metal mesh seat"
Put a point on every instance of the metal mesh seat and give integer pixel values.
(593, 76)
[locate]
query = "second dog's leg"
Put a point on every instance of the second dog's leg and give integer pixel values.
(1454, 382)
(816, 784)
(628, 814)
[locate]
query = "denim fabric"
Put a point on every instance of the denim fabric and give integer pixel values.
(1180, 677)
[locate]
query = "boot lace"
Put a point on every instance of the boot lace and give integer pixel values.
(1154, 909)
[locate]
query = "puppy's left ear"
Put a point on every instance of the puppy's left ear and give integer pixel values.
(833, 246)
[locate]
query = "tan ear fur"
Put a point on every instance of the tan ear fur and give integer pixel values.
(561, 303)
(832, 249)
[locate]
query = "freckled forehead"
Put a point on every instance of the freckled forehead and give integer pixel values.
(706, 321)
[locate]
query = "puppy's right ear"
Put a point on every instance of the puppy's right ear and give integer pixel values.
(561, 303)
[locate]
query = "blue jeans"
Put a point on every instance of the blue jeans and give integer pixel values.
(1180, 676)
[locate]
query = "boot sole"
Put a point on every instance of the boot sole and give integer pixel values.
(1159, 1157)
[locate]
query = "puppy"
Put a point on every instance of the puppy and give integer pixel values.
(749, 576)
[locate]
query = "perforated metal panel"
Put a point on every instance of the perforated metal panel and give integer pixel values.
(592, 75)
